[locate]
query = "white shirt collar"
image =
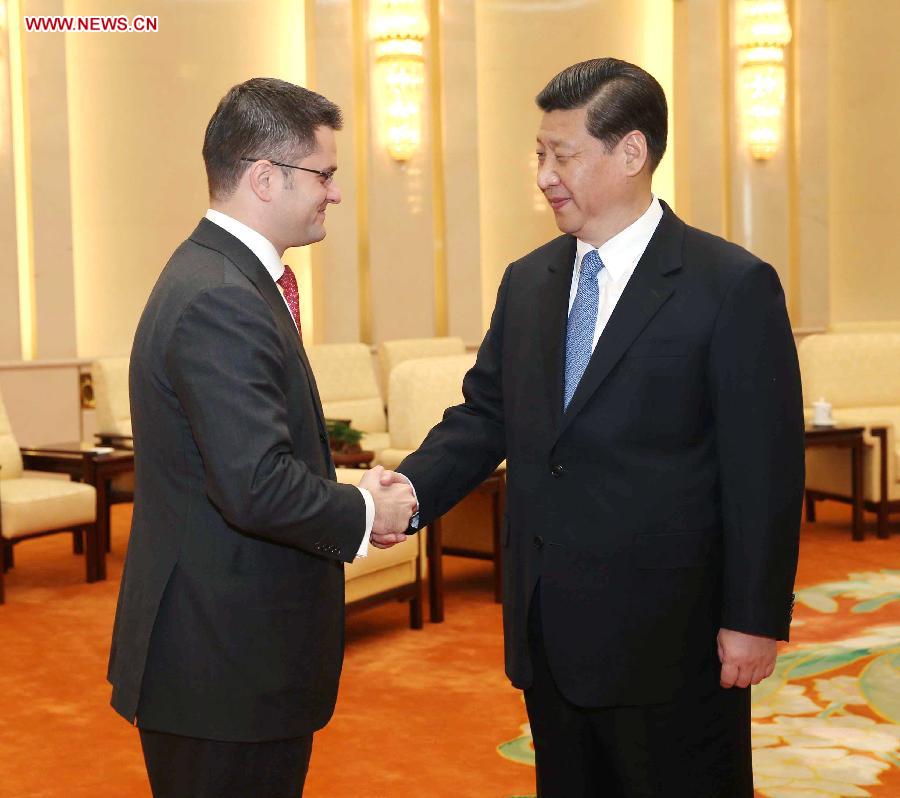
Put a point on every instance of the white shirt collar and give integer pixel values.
(622, 252)
(257, 243)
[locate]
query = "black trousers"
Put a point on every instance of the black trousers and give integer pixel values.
(697, 746)
(188, 767)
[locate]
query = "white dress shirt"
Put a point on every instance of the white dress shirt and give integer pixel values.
(260, 246)
(620, 256)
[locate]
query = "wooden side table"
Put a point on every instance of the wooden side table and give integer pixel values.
(845, 438)
(495, 486)
(84, 463)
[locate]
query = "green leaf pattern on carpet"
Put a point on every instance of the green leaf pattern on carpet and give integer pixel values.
(807, 740)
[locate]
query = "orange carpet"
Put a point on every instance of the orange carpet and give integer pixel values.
(430, 713)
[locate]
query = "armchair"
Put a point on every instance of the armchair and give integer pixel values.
(859, 374)
(33, 507)
(420, 391)
(348, 389)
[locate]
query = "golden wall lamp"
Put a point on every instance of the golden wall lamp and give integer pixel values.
(763, 32)
(398, 29)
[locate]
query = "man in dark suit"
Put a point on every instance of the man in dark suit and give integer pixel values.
(641, 380)
(228, 638)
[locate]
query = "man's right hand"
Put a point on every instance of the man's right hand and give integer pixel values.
(395, 504)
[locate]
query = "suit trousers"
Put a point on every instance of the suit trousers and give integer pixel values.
(697, 746)
(188, 767)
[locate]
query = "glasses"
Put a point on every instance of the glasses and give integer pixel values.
(327, 177)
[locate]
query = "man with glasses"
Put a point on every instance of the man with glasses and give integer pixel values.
(228, 638)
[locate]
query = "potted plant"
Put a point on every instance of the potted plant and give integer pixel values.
(342, 438)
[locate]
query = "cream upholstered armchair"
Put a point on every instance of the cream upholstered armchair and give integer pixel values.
(385, 574)
(112, 409)
(111, 402)
(392, 353)
(34, 507)
(420, 391)
(859, 374)
(348, 389)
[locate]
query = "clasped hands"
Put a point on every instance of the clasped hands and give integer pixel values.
(395, 505)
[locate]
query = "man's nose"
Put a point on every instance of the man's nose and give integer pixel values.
(546, 177)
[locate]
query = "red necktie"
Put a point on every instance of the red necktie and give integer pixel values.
(288, 283)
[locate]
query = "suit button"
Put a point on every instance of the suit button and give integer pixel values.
(556, 470)
(323, 437)
(538, 542)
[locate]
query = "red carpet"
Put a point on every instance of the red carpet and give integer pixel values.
(423, 713)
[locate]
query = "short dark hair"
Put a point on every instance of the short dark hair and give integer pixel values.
(620, 97)
(262, 118)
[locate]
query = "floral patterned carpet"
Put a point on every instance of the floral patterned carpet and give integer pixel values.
(826, 724)
(431, 713)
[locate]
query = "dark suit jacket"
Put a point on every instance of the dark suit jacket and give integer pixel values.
(665, 502)
(231, 611)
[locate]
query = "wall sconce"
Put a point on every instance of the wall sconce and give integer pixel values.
(398, 29)
(763, 31)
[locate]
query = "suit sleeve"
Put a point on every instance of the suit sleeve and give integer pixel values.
(470, 442)
(758, 410)
(225, 361)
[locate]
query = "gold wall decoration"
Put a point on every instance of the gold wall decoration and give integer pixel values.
(398, 29)
(763, 31)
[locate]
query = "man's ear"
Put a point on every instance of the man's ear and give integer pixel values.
(634, 148)
(259, 177)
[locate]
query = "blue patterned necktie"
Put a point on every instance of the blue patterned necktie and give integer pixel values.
(582, 323)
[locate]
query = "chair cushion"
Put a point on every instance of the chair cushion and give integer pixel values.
(421, 390)
(375, 442)
(366, 415)
(37, 505)
(851, 370)
(113, 411)
(345, 376)
(377, 559)
(10, 457)
(392, 353)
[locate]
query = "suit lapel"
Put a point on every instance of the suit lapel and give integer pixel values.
(553, 296)
(647, 291)
(214, 237)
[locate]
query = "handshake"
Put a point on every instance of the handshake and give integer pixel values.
(395, 505)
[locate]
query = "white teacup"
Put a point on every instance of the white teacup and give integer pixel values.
(822, 414)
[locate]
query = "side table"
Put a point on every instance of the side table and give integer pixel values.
(843, 437)
(86, 463)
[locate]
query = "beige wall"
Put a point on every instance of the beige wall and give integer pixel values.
(10, 345)
(521, 45)
(117, 120)
(138, 107)
(864, 160)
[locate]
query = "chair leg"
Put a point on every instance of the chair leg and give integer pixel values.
(77, 542)
(8, 559)
(883, 519)
(95, 554)
(810, 509)
(435, 572)
(415, 612)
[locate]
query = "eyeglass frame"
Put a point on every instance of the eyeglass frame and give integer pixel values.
(326, 176)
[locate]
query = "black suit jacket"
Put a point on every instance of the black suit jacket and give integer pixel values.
(665, 502)
(230, 617)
